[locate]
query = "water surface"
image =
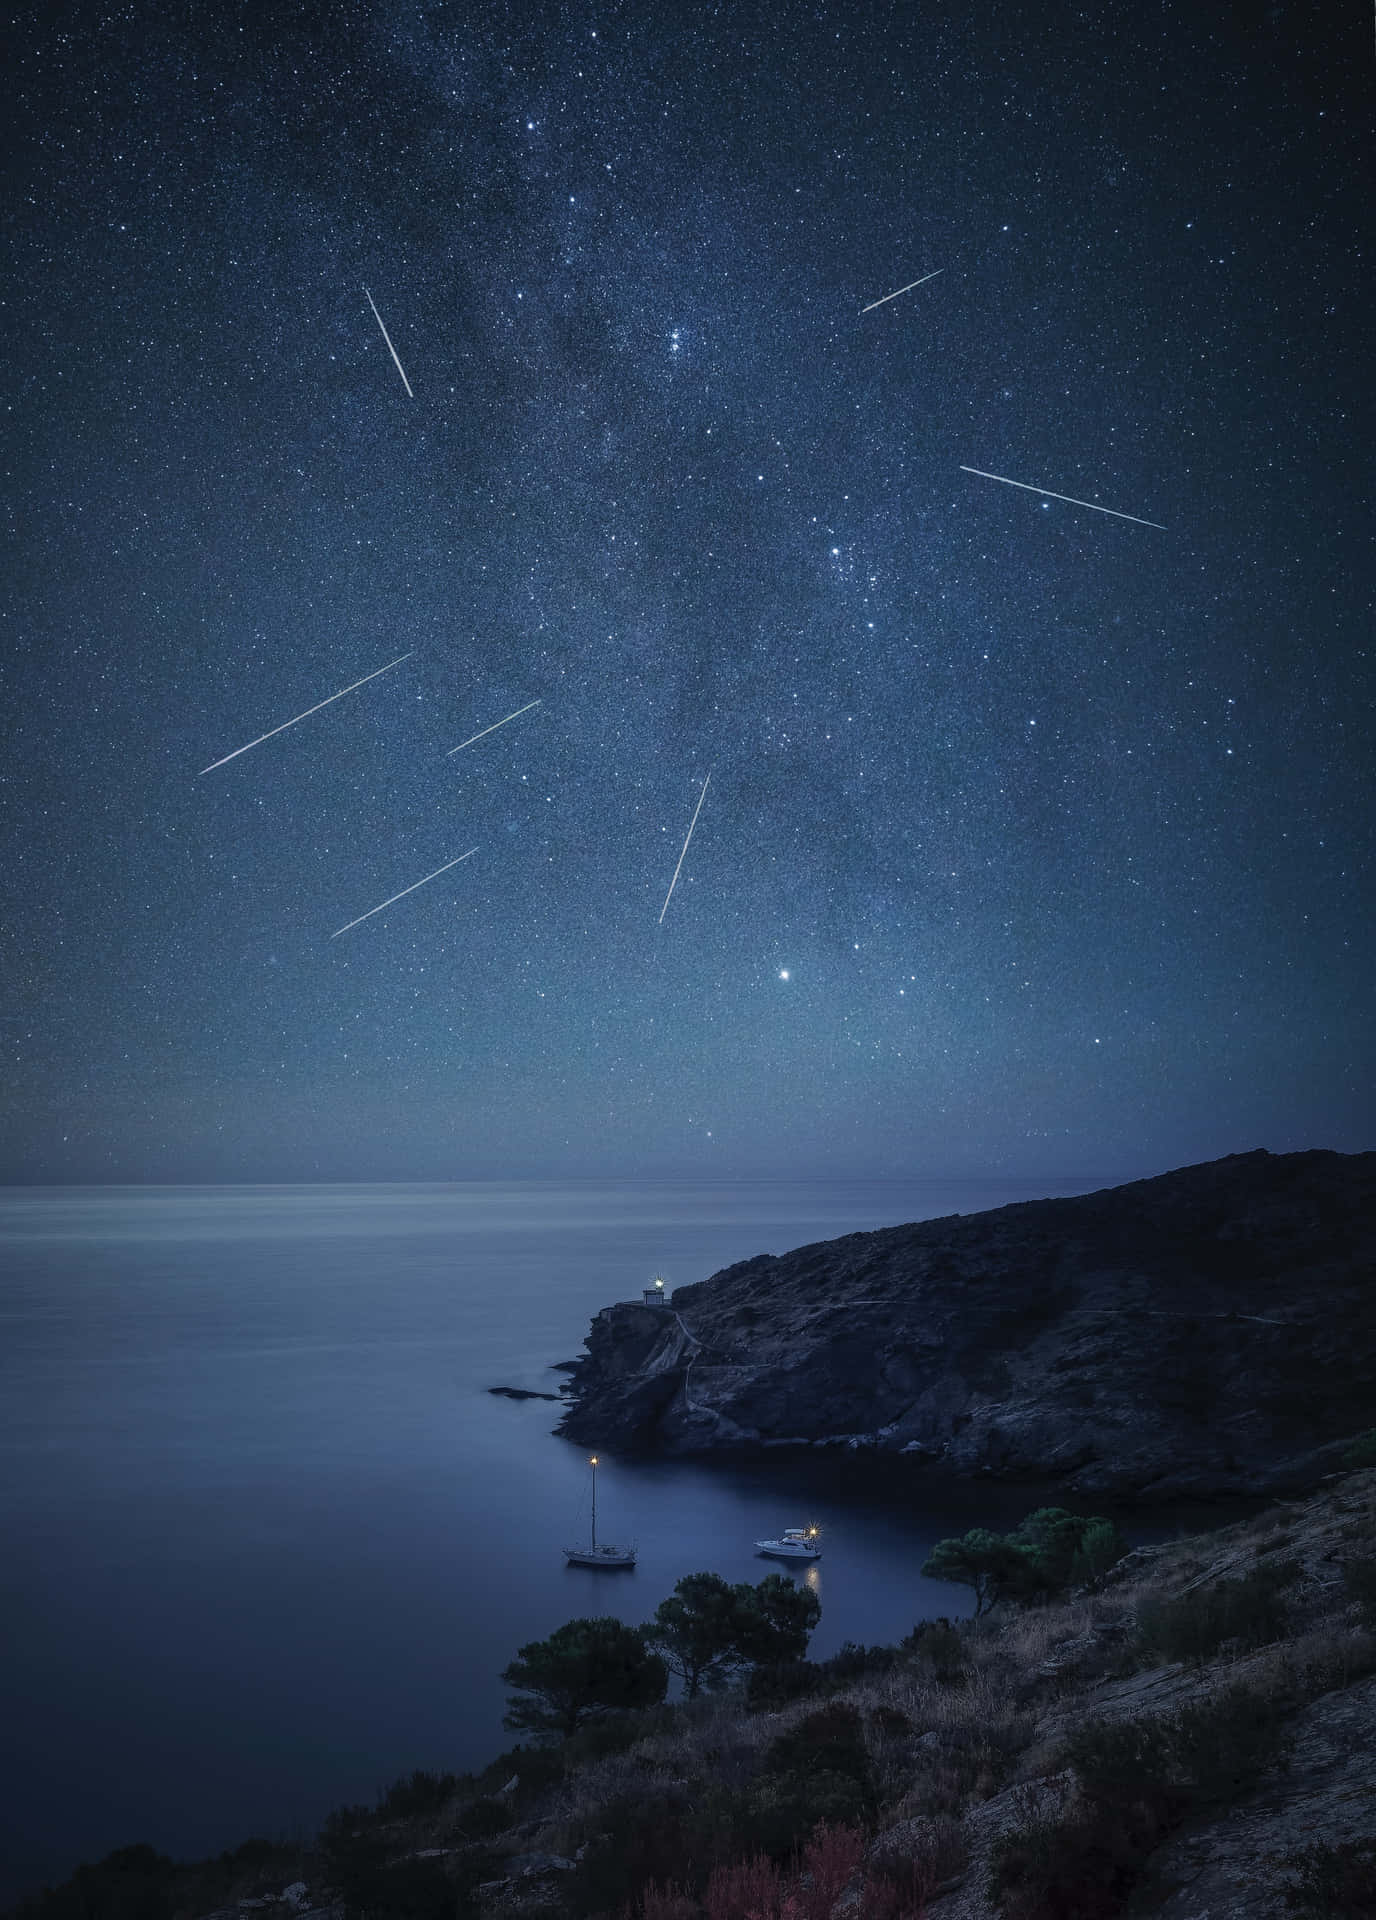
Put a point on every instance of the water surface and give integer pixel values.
(270, 1541)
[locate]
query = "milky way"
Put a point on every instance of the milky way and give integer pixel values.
(1038, 842)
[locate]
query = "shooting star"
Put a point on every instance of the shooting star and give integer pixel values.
(908, 289)
(307, 714)
(390, 348)
(1066, 497)
(402, 895)
(691, 824)
(493, 728)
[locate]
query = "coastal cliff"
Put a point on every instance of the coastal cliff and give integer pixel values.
(1208, 1332)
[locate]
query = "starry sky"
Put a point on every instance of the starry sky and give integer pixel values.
(1037, 840)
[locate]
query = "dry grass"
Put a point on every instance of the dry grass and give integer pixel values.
(1315, 1662)
(939, 1747)
(1028, 1639)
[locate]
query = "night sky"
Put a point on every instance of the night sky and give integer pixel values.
(1037, 840)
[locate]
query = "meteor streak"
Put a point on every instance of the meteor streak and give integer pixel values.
(307, 714)
(1066, 497)
(390, 348)
(493, 728)
(908, 289)
(402, 895)
(691, 824)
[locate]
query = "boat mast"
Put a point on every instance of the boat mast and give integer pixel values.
(593, 1464)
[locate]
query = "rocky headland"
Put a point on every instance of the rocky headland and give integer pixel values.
(1207, 1333)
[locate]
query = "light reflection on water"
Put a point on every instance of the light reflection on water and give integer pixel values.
(271, 1540)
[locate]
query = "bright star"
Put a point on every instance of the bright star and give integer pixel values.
(783, 973)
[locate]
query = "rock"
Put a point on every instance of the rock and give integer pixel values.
(1208, 1333)
(1232, 1867)
(982, 1828)
(521, 1393)
(526, 1865)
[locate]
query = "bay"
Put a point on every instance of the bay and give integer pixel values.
(269, 1540)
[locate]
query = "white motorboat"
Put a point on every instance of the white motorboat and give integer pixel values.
(794, 1543)
(594, 1555)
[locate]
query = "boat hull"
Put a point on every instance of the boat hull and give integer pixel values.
(780, 1550)
(611, 1558)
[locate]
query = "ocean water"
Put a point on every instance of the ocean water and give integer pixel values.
(268, 1540)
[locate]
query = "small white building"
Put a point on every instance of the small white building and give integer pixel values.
(654, 1295)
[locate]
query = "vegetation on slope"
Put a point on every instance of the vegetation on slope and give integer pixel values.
(1037, 1762)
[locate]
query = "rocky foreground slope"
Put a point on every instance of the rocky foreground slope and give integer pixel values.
(1189, 1740)
(1208, 1332)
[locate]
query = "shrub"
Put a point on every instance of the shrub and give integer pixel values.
(1205, 1754)
(417, 1793)
(1362, 1451)
(1137, 1780)
(1127, 1764)
(784, 1681)
(831, 1740)
(938, 1646)
(777, 1683)
(1334, 1883)
(133, 1883)
(743, 1890)
(944, 1778)
(612, 1733)
(357, 1864)
(631, 1852)
(669, 1902)
(855, 1662)
(1192, 1627)
(252, 1855)
(535, 1768)
(828, 1862)
(1224, 1745)
(786, 1807)
(910, 1863)
(1082, 1868)
(343, 1824)
(484, 1819)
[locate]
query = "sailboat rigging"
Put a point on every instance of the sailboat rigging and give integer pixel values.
(594, 1555)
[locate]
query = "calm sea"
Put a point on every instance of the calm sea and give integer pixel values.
(268, 1540)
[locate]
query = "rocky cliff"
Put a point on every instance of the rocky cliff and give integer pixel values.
(1208, 1332)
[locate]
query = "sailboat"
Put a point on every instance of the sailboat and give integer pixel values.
(593, 1555)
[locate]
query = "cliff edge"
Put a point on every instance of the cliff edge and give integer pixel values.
(1208, 1332)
